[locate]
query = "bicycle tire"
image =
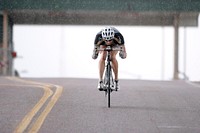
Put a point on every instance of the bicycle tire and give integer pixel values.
(109, 87)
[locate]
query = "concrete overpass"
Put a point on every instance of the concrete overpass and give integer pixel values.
(174, 13)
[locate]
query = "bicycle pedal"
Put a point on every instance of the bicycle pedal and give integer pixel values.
(113, 90)
(101, 89)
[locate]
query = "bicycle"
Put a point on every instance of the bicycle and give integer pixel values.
(108, 81)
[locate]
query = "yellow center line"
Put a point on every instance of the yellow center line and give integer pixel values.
(41, 118)
(28, 118)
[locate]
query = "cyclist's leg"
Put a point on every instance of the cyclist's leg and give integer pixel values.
(114, 64)
(115, 69)
(102, 63)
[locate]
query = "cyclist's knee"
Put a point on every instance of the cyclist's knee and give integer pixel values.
(113, 57)
(103, 56)
(102, 60)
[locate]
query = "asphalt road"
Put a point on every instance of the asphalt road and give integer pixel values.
(62, 105)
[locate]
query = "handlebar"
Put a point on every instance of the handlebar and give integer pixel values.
(109, 48)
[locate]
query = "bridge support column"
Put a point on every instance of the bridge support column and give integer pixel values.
(176, 47)
(5, 43)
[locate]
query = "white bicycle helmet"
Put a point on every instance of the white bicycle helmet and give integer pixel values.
(108, 33)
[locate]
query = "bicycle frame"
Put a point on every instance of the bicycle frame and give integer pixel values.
(108, 77)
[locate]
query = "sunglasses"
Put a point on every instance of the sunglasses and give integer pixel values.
(108, 40)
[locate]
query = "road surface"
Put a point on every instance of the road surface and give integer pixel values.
(64, 105)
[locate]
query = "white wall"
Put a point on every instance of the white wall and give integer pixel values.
(65, 51)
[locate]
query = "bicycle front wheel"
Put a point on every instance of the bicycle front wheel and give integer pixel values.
(109, 88)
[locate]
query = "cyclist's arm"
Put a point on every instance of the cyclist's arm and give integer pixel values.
(123, 48)
(98, 39)
(119, 38)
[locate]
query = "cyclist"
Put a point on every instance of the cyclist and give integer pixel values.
(109, 36)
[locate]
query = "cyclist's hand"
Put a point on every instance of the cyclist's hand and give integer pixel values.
(122, 54)
(95, 53)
